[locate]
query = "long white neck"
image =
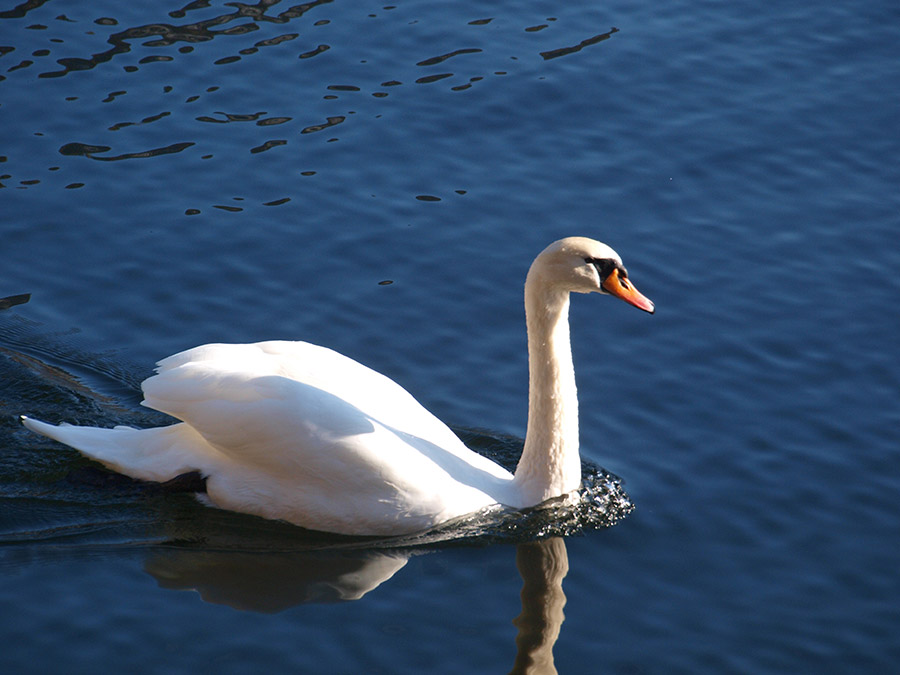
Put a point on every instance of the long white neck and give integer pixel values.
(550, 465)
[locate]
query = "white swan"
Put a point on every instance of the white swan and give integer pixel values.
(296, 432)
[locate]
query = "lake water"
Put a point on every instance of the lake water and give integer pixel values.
(228, 172)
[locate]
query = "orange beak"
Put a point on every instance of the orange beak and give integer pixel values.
(619, 286)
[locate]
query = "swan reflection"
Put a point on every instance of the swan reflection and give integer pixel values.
(543, 565)
(274, 581)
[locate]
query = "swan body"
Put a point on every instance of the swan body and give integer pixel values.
(300, 433)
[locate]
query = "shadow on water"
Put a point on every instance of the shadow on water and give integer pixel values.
(58, 505)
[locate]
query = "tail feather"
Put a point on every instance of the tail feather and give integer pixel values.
(158, 454)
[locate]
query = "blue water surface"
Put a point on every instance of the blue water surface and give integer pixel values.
(377, 178)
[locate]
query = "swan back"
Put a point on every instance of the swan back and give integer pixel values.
(306, 434)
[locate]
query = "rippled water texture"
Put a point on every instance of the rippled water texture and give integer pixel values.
(377, 178)
(285, 78)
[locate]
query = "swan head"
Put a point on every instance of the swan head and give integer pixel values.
(583, 265)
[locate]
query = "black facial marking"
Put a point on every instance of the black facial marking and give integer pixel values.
(606, 266)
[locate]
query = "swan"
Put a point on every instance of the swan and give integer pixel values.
(297, 432)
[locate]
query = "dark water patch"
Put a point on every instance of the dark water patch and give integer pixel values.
(243, 29)
(574, 49)
(19, 66)
(433, 78)
(196, 4)
(84, 150)
(226, 60)
(113, 95)
(440, 59)
(158, 58)
(231, 117)
(13, 300)
(154, 118)
(19, 11)
(147, 120)
(331, 122)
(314, 52)
(268, 145)
(277, 202)
(271, 121)
(277, 40)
